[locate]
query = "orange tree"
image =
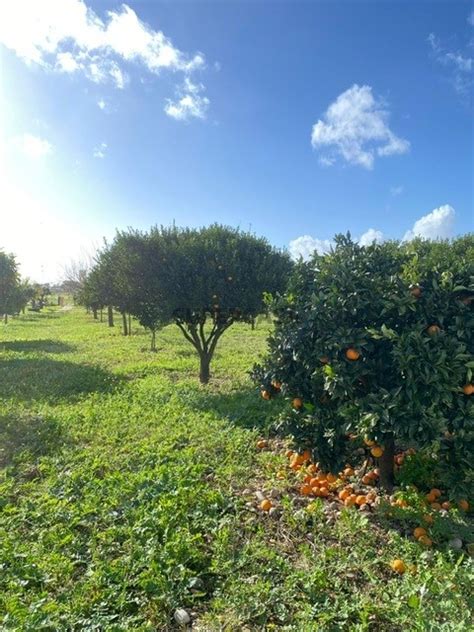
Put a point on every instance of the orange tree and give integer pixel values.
(377, 342)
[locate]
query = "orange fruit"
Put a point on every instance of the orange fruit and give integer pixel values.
(349, 501)
(463, 505)
(433, 330)
(343, 494)
(289, 453)
(360, 500)
(468, 389)
(297, 403)
(368, 442)
(367, 480)
(418, 532)
(324, 491)
(428, 518)
(376, 451)
(262, 444)
(415, 291)
(348, 471)
(352, 354)
(425, 540)
(306, 456)
(398, 566)
(436, 506)
(324, 360)
(331, 478)
(266, 505)
(314, 482)
(305, 490)
(276, 384)
(430, 498)
(446, 505)
(312, 469)
(266, 395)
(400, 502)
(435, 492)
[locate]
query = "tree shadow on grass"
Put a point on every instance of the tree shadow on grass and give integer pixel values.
(51, 380)
(27, 437)
(242, 407)
(32, 346)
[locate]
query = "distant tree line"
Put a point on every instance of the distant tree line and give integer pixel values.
(15, 292)
(202, 280)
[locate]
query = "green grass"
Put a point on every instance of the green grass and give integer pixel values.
(126, 491)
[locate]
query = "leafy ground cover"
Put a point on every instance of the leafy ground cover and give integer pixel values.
(128, 490)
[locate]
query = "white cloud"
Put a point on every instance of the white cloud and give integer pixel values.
(398, 190)
(100, 150)
(306, 245)
(68, 36)
(370, 236)
(101, 104)
(190, 103)
(33, 146)
(459, 63)
(436, 225)
(355, 127)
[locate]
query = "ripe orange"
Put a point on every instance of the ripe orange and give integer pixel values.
(348, 471)
(266, 395)
(289, 453)
(343, 494)
(435, 492)
(306, 455)
(425, 540)
(313, 468)
(446, 505)
(376, 451)
(418, 532)
(314, 482)
(433, 330)
(305, 490)
(415, 291)
(324, 491)
(262, 444)
(352, 354)
(360, 500)
(297, 403)
(324, 360)
(468, 389)
(349, 501)
(266, 505)
(428, 518)
(436, 506)
(463, 505)
(331, 478)
(430, 498)
(398, 566)
(276, 384)
(367, 480)
(368, 442)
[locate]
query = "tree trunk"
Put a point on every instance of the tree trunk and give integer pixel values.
(153, 341)
(124, 322)
(110, 315)
(5, 319)
(204, 372)
(386, 464)
(253, 324)
(94, 311)
(129, 324)
(101, 315)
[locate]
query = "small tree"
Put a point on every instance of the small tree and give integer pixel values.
(9, 281)
(377, 341)
(208, 279)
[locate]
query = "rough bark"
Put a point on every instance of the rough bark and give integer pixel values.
(94, 311)
(204, 369)
(153, 341)
(124, 322)
(386, 464)
(110, 315)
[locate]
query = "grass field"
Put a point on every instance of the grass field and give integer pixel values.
(127, 490)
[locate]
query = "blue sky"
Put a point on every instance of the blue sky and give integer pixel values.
(298, 120)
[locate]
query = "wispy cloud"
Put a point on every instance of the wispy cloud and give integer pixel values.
(100, 150)
(355, 128)
(190, 102)
(101, 104)
(459, 64)
(438, 224)
(33, 146)
(67, 36)
(397, 190)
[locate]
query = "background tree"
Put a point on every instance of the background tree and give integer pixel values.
(378, 341)
(9, 281)
(210, 278)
